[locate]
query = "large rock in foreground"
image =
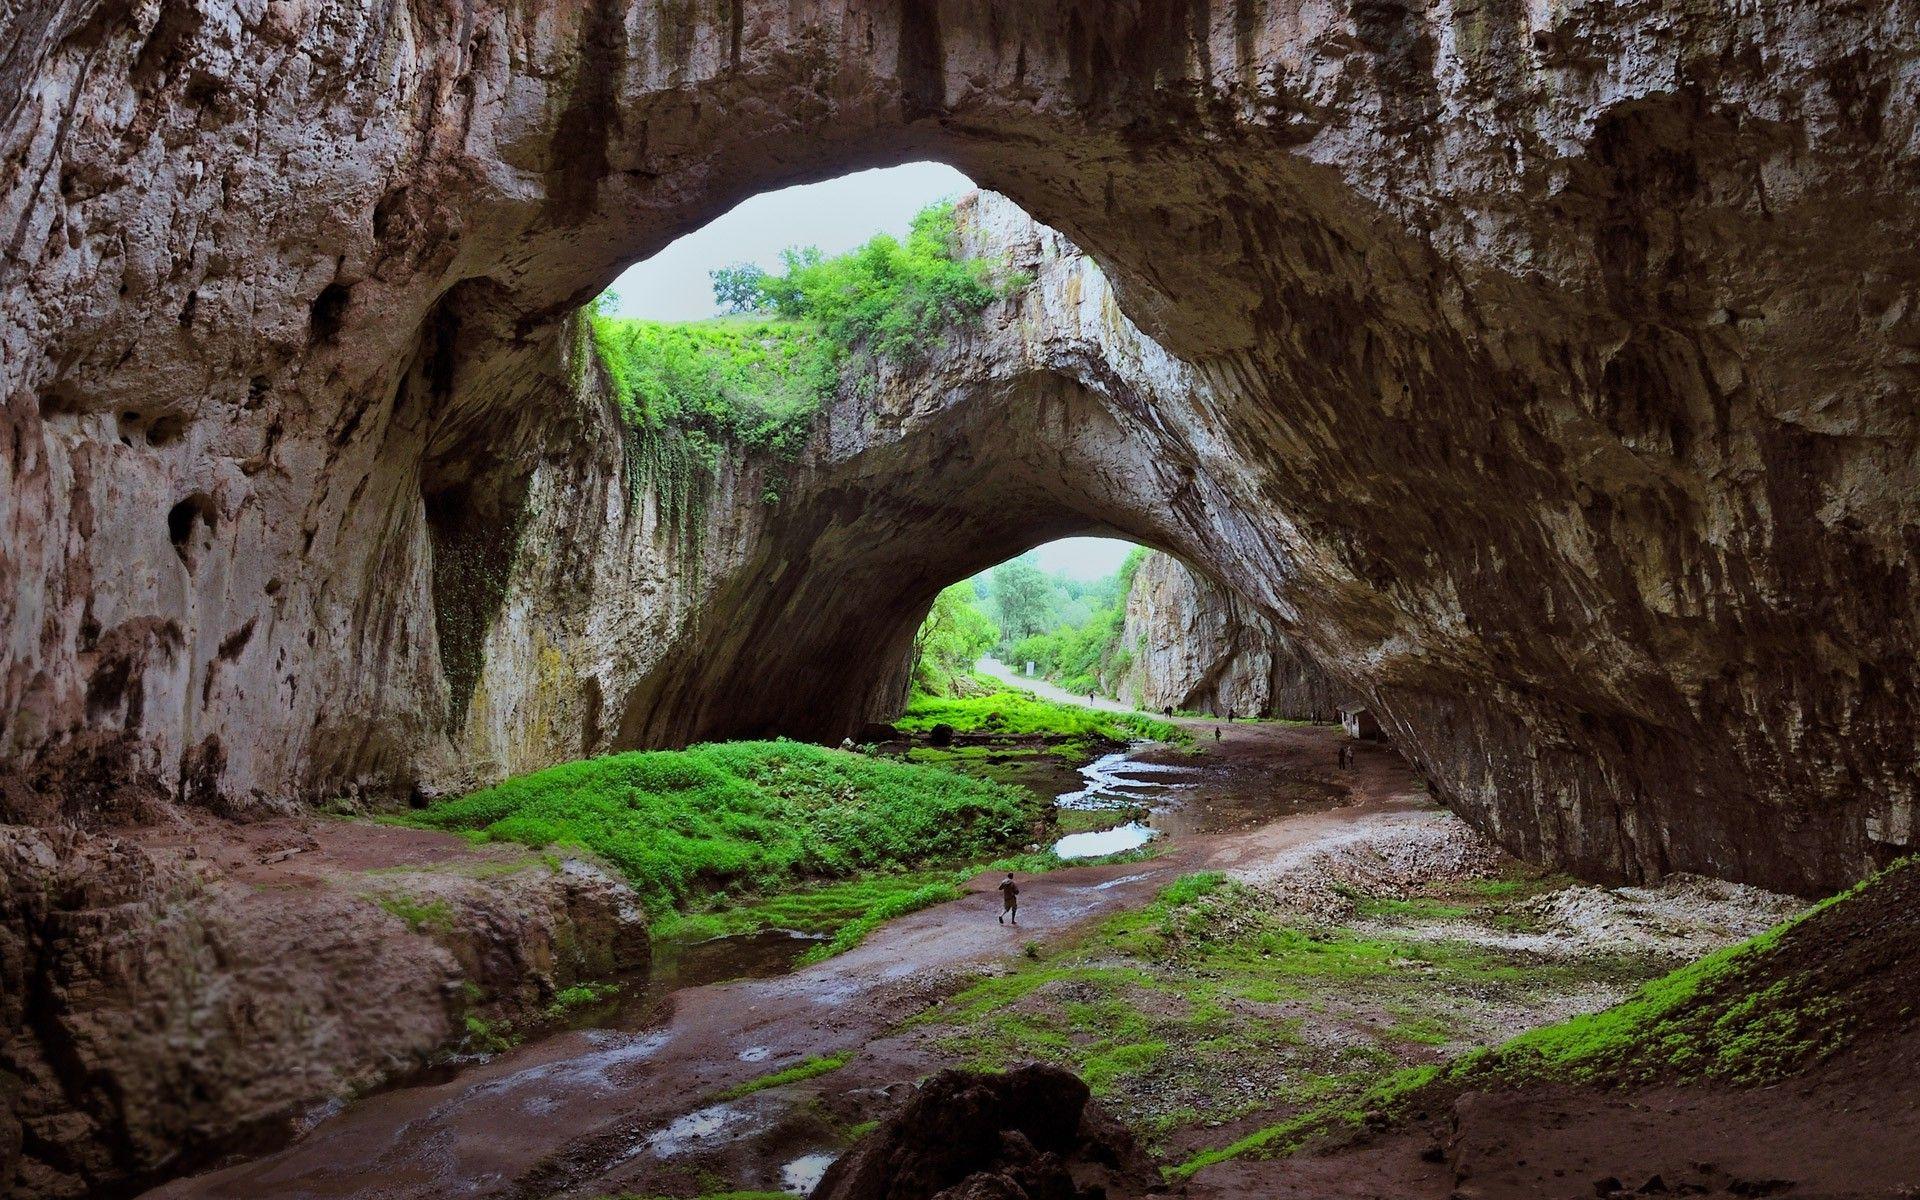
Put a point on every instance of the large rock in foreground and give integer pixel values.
(1027, 1134)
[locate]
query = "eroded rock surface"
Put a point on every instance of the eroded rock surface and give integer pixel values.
(1547, 369)
(177, 997)
(1195, 646)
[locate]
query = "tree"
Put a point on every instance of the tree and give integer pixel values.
(740, 288)
(1023, 599)
(951, 639)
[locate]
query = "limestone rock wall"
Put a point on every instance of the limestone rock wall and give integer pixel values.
(1193, 645)
(1550, 368)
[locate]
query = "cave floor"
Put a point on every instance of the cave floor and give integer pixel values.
(756, 1083)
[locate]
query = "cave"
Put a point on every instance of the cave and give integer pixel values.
(1539, 379)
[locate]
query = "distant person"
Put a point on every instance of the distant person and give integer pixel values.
(1169, 712)
(1229, 716)
(1216, 733)
(1346, 755)
(1089, 697)
(1009, 900)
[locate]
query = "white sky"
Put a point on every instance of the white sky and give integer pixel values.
(1086, 558)
(836, 215)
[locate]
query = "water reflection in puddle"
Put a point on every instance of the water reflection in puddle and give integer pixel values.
(1130, 836)
(702, 1127)
(803, 1174)
(1116, 783)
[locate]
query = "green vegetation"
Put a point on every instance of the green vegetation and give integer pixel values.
(1747, 1015)
(1016, 713)
(751, 382)
(951, 640)
(812, 908)
(579, 995)
(811, 1068)
(1081, 646)
(421, 916)
(1733, 1016)
(483, 1035)
(743, 816)
(1069, 630)
(1192, 1012)
(756, 379)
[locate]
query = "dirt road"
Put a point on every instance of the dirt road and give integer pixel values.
(1047, 691)
(576, 1108)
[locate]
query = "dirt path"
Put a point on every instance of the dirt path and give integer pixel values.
(573, 1108)
(1045, 690)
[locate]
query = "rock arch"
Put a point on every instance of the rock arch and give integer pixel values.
(1558, 363)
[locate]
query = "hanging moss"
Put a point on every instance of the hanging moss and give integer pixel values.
(677, 466)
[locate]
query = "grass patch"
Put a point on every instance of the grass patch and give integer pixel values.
(897, 905)
(811, 1068)
(745, 817)
(421, 916)
(1010, 712)
(579, 995)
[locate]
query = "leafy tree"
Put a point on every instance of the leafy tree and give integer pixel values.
(952, 638)
(1024, 600)
(737, 289)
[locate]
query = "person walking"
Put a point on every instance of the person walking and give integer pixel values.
(1009, 900)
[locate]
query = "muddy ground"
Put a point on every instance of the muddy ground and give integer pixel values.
(1347, 927)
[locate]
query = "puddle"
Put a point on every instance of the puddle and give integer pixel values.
(803, 1174)
(679, 965)
(700, 1128)
(754, 1054)
(1121, 784)
(1130, 836)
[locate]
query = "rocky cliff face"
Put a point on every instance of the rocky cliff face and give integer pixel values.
(1193, 645)
(1548, 368)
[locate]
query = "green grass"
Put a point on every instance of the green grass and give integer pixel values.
(421, 916)
(744, 817)
(1747, 1015)
(812, 908)
(811, 1068)
(1014, 713)
(898, 905)
(579, 995)
(751, 381)
(756, 379)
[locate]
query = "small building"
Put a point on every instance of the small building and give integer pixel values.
(1359, 723)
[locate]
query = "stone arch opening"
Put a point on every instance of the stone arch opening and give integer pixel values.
(1558, 518)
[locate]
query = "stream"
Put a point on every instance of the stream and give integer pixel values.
(1122, 783)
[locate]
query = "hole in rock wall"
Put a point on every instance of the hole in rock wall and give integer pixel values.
(190, 526)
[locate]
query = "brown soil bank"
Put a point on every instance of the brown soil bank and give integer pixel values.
(1783, 1067)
